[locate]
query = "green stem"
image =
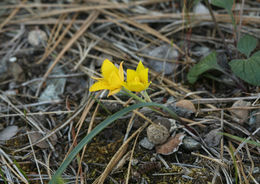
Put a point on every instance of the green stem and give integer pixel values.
(131, 94)
(146, 96)
(101, 126)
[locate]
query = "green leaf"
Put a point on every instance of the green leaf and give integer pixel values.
(206, 64)
(57, 176)
(247, 69)
(234, 162)
(227, 4)
(241, 139)
(247, 44)
(3, 176)
(59, 180)
(18, 166)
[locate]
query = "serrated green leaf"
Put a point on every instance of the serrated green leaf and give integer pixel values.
(227, 4)
(206, 64)
(247, 69)
(247, 44)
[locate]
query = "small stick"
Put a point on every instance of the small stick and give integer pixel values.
(217, 27)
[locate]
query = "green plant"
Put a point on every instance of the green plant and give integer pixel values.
(227, 5)
(56, 178)
(3, 176)
(206, 64)
(234, 162)
(113, 80)
(246, 69)
(241, 139)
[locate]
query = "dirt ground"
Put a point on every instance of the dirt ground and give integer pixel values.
(49, 52)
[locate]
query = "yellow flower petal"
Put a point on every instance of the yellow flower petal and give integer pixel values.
(99, 86)
(135, 86)
(96, 78)
(140, 67)
(147, 85)
(121, 71)
(137, 80)
(112, 92)
(116, 83)
(130, 75)
(143, 74)
(113, 78)
(107, 68)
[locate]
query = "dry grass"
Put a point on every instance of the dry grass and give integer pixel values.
(79, 36)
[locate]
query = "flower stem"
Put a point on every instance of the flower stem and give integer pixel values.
(133, 95)
(146, 96)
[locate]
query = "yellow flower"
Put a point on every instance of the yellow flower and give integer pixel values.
(137, 80)
(113, 78)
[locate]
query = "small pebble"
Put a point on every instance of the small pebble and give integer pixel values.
(212, 139)
(145, 143)
(37, 37)
(241, 114)
(199, 8)
(134, 162)
(163, 121)
(157, 134)
(163, 52)
(17, 72)
(201, 51)
(12, 59)
(10, 92)
(254, 121)
(190, 144)
(8, 133)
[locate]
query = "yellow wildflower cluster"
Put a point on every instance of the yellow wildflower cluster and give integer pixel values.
(113, 78)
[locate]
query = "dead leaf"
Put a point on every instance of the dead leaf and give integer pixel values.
(241, 114)
(8, 133)
(35, 136)
(171, 145)
(213, 138)
(186, 104)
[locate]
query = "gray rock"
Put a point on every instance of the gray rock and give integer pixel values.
(37, 37)
(145, 143)
(17, 72)
(55, 87)
(243, 113)
(163, 52)
(36, 136)
(254, 121)
(181, 111)
(157, 134)
(8, 133)
(134, 162)
(213, 138)
(190, 144)
(200, 51)
(199, 8)
(3, 71)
